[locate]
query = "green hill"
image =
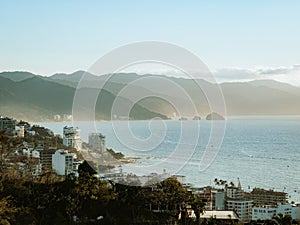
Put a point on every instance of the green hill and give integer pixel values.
(17, 75)
(37, 98)
(28, 96)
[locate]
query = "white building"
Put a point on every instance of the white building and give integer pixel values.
(219, 215)
(97, 141)
(267, 211)
(296, 212)
(63, 162)
(236, 201)
(20, 131)
(71, 137)
(30, 132)
(242, 207)
(26, 152)
(284, 209)
(37, 169)
(57, 117)
(263, 212)
(234, 192)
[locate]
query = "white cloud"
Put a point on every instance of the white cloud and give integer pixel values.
(289, 75)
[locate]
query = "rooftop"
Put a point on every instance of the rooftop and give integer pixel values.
(263, 191)
(224, 214)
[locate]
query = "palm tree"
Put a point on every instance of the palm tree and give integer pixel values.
(223, 182)
(216, 181)
(283, 219)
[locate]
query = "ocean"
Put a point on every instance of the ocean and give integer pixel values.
(262, 152)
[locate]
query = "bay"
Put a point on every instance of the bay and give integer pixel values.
(262, 151)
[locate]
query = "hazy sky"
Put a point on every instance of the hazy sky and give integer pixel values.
(64, 36)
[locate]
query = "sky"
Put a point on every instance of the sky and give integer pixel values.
(237, 40)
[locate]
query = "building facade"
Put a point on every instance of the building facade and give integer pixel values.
(263, 212)
(234, 192)
(262, 197)
(20, 131)
(97, 141)
(63, 162)
(71, 137)
(236, 201)
(218, 198)
(46, 158)
(242, 207)
(267, 212)
(8, 125)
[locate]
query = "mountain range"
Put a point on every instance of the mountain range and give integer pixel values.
(24, 95)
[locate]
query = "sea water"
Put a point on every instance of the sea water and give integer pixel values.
(263, 152)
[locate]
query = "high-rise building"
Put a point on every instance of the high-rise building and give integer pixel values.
(63, 162)
(267, 197)
(46, 158)
(97, 141)
(242, 207)
(236, 201)
(71, 137)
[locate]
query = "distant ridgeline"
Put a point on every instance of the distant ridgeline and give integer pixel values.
(36, 98)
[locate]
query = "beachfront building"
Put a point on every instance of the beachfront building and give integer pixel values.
(63, 162)
(98, 142)
(218, 200)
(267, 212)
(215, 198)
(236, 201)
(234, 192)
(262, 197)
(263, 212)
(71, 137)
(242, 207)
(296, 211)
(220, 215)
(231, 198)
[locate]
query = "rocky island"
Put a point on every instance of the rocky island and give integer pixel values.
(214, 116)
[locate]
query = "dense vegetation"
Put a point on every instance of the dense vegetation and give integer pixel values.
(116, 155)
(49, 199)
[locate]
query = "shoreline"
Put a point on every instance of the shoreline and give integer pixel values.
(231, 117)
